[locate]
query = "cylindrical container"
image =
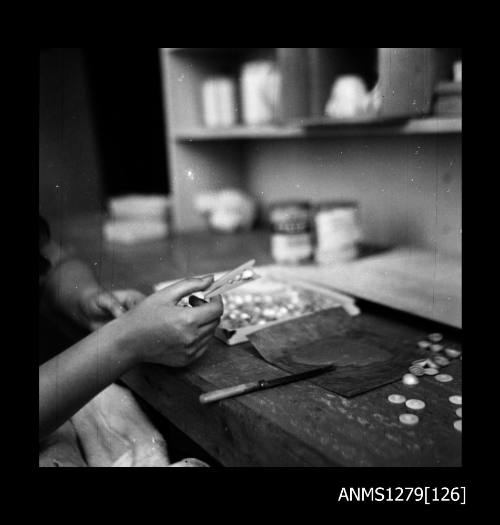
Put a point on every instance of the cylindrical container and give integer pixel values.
(337, 231)
(219, 102)
(260, 92)
(291, 239)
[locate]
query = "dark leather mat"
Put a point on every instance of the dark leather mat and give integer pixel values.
(370, 351)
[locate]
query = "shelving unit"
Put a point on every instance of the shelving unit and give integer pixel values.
(304, 154)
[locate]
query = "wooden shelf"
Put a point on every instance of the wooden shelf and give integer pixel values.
(306, 148)
(434, 125)
(240, 132)
(324, 128)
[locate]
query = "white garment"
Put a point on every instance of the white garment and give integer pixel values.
(112, 431)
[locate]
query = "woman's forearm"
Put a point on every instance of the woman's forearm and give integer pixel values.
(71, 379)
(65, 286)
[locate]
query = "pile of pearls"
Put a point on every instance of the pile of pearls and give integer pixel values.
(249, 309)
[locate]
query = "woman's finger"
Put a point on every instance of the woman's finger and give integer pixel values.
(199, 347)
(128, 298)
(200, 352)
(208, 328)
(201, 341)
(106, 301)
(206, 313)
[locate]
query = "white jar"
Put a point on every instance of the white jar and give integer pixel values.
(337, 231)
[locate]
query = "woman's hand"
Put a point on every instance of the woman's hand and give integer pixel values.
(98, 307)
(160, 331)
(156, 330)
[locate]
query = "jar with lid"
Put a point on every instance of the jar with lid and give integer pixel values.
(291, 238)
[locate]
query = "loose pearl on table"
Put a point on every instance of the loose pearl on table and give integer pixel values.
(410, 380)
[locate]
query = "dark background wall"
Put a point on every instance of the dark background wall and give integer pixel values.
(101, 128)
(69, 164)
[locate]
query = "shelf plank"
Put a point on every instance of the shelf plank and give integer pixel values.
(431, 125)
(434, 125)
(240, 132)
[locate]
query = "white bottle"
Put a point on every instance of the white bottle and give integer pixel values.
(219, 102)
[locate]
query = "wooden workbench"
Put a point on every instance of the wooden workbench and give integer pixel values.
(297, 425)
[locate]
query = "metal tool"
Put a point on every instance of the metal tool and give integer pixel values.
(215, 288)
(245, 388)
(225, 283)
(231, 285)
